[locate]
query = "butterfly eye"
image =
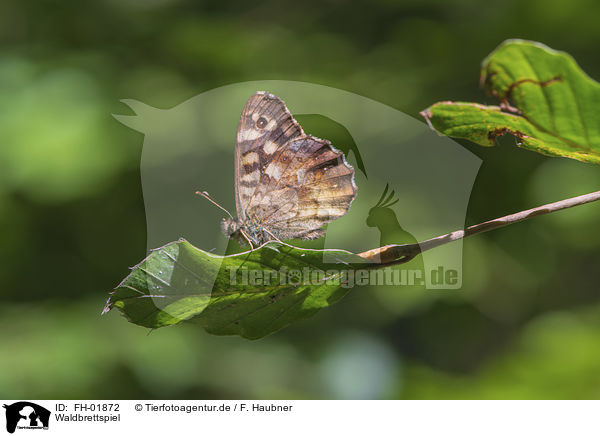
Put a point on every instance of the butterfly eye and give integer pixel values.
(261, 122)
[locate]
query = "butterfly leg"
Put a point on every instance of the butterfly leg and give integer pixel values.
(273, 236)
(247, 239)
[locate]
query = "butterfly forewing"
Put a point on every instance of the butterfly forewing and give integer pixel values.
(265, 125)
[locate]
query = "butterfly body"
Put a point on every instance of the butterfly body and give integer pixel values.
(288, 184)
(245, 231)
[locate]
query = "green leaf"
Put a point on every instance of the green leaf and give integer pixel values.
(180, 282)
(546, 101)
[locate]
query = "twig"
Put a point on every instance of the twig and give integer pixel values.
(397, 254)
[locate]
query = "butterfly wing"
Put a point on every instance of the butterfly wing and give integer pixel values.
(307, 184)
(265, 126)
(289, 183)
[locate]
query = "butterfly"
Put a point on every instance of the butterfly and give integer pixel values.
(287, 184)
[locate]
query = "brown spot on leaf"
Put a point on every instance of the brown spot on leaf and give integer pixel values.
(495, 133)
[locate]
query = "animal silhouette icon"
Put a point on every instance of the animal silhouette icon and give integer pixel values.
(26, 414)
(384, 218)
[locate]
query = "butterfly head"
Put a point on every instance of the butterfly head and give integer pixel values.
(234, 229)
(229, 227)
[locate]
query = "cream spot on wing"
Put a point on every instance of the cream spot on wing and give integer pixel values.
(308, 211)
(246, 191)
(324, 212)
(250, 158)
(265, 201)
(250, 134)
(270, 125)
(301, 173)
(332, 212)
(251, 177)
(270, 147)
(273, 171)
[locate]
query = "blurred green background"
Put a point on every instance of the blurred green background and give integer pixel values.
(525, 325)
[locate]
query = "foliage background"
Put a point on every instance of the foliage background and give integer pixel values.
(525, 325)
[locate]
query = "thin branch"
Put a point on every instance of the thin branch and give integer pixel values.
(398, 254)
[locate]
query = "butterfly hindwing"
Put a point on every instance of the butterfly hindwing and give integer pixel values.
(306, 185)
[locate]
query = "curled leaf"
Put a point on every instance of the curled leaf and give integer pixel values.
(546, 101)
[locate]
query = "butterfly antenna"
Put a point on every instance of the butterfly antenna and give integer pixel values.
(207, 196)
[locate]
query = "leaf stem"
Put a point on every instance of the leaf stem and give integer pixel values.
(397, 254)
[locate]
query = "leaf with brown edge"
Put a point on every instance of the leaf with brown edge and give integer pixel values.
(545, 101)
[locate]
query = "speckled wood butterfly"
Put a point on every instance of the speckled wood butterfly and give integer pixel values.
(287, 184)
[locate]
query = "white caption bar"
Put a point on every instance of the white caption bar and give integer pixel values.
(461, 418)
